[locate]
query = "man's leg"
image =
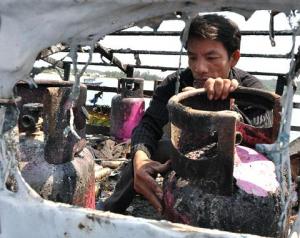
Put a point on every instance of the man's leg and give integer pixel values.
(124, 191)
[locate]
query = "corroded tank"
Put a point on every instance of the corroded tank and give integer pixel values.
(127, 108)
(214, 182)
(55, 162)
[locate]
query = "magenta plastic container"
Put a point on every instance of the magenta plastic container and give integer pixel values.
(127, 108)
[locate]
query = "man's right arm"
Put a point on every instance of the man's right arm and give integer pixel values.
(145, 172)
(144, 142)
(149, 131)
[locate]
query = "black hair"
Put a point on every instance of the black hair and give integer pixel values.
(215, 27)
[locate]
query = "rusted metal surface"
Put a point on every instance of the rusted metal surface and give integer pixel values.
(30, 94)
(200, 190)
(185, 202)
(31, 114)
(59, 146)
(127, 108)
(126, 68)
(51, 50)
(131, 87)
(266, 101)
(54, 161)
(294, 150)
(295, 167)
(45, 83)
(295, 146)
(42, 218)
(56, 118)
(195, 126)
(19, 21)
(71, 182)
(198, 122)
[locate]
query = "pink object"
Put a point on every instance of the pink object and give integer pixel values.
(254, 173)
(127, 108)
(126, 113)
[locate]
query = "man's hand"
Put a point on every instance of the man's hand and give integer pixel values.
(145, 172)
(187, 89)
(219, 88)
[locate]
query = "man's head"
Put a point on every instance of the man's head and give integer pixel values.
(213, 45)
(218, 28)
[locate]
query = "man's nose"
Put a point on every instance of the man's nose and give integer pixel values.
(201, 67)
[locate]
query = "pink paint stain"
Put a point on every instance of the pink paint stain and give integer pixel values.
(169, 204)
(254, 173)
(131, 118)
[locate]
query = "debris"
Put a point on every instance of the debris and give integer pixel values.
(111, 164)
(108, 149)
(101, 173)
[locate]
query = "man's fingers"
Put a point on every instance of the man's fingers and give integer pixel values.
(209, 87)
(145, 171)
(158, 168)
(151, 191)
(187, 89)
(154, 200)
(218, 88)
(234, 85)
(226, 89)
(161, 168)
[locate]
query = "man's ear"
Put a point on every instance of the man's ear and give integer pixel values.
(235, 57)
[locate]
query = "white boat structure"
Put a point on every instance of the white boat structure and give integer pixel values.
(29, 26)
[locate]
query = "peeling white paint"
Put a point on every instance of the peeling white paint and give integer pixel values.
(30, 216)
(27, 27)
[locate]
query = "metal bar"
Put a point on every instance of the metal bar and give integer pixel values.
(130, 71)
(149, 93)
(67, 70)
(177, 33)
(295, 128)
(280, 83)
(159, 52)
(93, 87)
(47, 83)
(164, 68)
(57, 63)
(52, 50)
(296, 105)
(107, 54)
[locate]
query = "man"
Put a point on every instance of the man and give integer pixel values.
(213, 48)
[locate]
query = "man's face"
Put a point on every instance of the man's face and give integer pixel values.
(209, 59)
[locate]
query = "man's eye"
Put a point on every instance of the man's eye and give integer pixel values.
(213, 57)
